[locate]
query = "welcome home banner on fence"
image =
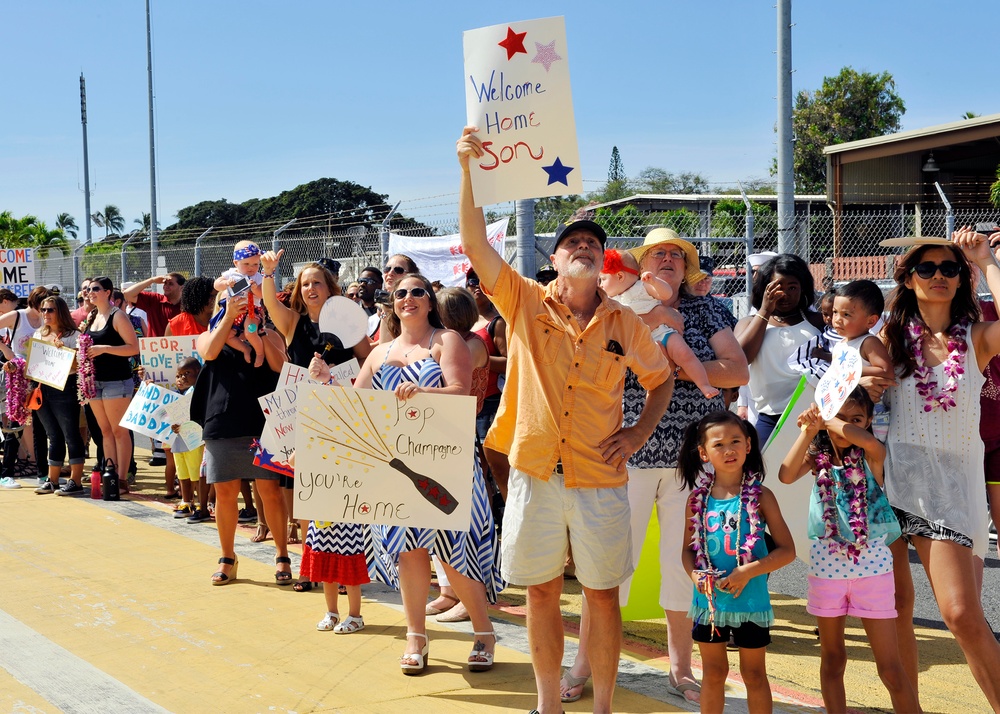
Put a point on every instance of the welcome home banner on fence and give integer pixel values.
(442, 257)
(517, 91)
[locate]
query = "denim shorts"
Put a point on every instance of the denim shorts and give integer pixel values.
(115, 389)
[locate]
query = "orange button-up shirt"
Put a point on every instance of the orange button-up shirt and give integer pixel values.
(563, 394)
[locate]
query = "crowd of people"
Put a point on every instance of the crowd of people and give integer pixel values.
(605, 388)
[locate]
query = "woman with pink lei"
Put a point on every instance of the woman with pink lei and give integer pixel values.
(934, 470)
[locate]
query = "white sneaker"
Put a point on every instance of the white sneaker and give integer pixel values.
(328, 623)
(8, 482)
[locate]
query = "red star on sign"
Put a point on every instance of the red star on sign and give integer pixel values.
(363, 508)
(513, 43)
(444, 500)
(412, 414)
(434, 493)
(422, 484)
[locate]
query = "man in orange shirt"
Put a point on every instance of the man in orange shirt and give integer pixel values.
(560, 423)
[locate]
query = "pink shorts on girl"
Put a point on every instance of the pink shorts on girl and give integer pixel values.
(873, 597)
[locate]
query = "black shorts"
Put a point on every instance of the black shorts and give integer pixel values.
(747, 636)
(913, 525)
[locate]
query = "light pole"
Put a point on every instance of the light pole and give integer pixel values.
(131, 237)
(274, 247)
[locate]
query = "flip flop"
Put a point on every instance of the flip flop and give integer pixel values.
(682, 689)
(261, 535)
(303, 586)
(571, 681)
(436, 610)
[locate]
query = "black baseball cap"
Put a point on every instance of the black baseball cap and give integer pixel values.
(582, 225)
(330, 264)
(707, 264)
(546, 270)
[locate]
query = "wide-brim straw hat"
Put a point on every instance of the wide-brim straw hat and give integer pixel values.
(666, 236)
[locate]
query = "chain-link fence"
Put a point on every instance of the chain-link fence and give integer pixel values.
(838, 245)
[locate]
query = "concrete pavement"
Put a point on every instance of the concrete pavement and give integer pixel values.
(108, 607)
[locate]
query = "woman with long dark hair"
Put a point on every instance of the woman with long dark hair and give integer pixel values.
(114, 342)
(60, 410)
(934, 473)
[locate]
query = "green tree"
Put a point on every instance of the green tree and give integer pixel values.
(29, 232)
(617, 186)
(551, 211)
(110, 219)
(995, 190)
(67, 224)
(848, 107)
(656, 180)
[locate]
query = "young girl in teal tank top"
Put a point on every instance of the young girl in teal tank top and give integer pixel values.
(726, 556)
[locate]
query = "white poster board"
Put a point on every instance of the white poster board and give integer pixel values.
(48, 364)
(17, 270)
(442, 257)
(188, 437)
(517, 91)
(363, 456)
(141, 416)
(160, 356)
(277, 441)
(840, 379)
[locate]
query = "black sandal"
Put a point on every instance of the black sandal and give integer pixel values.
(280, 576)
(303, 586)
(220, 578)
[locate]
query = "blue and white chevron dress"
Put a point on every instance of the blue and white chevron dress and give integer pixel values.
(474, 553)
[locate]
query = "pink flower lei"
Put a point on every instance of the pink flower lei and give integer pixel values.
(856, 490)
(954, 366)
(86, 386)
(17, 392)
(750, 491)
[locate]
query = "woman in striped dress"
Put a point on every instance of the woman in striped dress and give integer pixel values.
(425, 358)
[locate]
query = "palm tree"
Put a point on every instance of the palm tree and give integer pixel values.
(44, 240)
(144, 222)
(114, 222)
(67, 224)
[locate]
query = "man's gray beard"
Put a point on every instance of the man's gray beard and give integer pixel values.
(576, 269)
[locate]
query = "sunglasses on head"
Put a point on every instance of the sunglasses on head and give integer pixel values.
(925, 270)
(413, 292)
(394, 269)
(46, 309)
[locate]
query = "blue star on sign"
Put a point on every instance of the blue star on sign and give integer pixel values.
(843, 357)
(557, 172)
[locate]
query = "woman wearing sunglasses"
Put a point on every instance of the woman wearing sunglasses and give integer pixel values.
(396, 267)
(934, 473)
(114, 342)
(422, 357)
(60, 410)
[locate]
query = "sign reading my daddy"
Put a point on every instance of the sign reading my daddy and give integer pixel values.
(142, 410)
(48, 364)
(161, 356)
(277, 441)
(363, 456)
(517, 92)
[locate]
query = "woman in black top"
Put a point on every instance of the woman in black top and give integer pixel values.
(114, 342)
(225, 404)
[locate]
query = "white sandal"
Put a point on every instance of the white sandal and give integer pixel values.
(479, 659)
(348, 625)
(419, 657)
(330, 622)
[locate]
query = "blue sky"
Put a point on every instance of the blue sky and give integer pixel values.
(253, 97)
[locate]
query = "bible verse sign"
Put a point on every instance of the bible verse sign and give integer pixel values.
(517, 92)
(363, 456)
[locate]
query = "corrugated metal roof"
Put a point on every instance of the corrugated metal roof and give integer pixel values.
(915, 134)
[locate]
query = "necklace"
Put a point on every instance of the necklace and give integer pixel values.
(954, 366)
(419, 343)
(749, 499)
(855, 487)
